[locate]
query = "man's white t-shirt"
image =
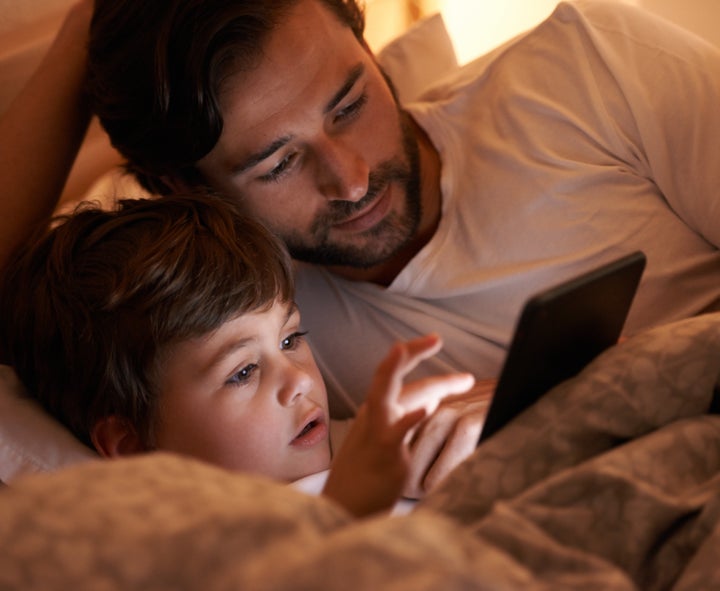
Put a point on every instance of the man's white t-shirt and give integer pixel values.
(591, 136)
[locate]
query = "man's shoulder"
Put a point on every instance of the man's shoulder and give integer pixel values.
(609, 16)
(567, 21)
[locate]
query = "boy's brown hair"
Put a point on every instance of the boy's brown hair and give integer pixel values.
(92, 305)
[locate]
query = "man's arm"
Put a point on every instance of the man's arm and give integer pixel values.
(41, 132)
(669, 79)
(448, 437)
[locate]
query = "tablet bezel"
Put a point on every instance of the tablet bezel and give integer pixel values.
(561, 329)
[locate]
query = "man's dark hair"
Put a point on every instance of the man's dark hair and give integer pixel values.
(91, 307)
(156, 68)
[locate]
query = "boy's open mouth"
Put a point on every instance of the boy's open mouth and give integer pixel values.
(314, 431)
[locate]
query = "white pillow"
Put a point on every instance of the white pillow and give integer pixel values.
(418, 58)
(31, 440)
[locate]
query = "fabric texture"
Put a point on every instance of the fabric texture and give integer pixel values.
(568, 147)
(611, 481)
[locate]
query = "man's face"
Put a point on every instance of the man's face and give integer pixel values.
(316, 147)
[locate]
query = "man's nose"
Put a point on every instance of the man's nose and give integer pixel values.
(343, 174)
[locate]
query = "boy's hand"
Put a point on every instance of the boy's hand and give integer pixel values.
(371, 469)
(447, 437)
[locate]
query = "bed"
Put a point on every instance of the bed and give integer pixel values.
(611, 481)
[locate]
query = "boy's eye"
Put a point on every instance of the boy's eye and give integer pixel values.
(242, 376)
(292, 341)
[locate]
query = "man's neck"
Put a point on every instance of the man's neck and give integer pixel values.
(431, 199)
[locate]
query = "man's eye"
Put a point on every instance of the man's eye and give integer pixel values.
(242, 376)
(280, 168)
(291, 342)
(352, 109)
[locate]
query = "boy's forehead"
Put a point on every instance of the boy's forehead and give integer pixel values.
(288, 308)
(199, 355)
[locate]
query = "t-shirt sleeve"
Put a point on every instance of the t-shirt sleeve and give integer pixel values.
(670, 79)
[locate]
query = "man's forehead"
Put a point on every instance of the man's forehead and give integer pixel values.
(299, 73)
(308, 40)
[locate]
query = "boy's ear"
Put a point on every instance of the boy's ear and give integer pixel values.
(115, 436)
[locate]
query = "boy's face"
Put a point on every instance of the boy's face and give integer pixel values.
(248, 397)
(314, 145)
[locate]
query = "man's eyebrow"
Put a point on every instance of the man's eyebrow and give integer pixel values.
(351, 79)
(260, 155)
(257, 157)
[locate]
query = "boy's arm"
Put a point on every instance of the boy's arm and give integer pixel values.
(370, 471)
(41, 132)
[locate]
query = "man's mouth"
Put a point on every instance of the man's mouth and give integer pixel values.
(370, 215)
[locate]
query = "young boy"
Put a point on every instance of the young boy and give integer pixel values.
(170, 325)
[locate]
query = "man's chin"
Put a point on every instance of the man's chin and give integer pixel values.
(356, 258)
(369, 249)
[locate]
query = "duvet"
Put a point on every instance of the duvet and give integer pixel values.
(611, 481)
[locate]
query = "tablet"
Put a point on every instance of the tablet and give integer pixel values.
(561, 330)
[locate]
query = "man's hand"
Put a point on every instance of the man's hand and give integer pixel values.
(370, 471)
(447, 437)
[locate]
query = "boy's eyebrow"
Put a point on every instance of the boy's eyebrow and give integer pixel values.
(257, 157)
(292, 309)
(232, 346)
(224, 352)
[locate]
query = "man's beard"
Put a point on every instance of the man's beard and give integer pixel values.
(380, 243)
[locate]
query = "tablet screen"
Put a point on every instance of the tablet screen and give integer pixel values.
(561, 330)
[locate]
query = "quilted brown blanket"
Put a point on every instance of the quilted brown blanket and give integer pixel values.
(611, 481)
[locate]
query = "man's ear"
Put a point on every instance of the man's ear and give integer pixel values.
(175, 184)
(115, 436)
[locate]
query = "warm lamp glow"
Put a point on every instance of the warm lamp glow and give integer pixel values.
(477, 26)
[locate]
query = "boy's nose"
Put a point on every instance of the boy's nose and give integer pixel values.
(297, 383)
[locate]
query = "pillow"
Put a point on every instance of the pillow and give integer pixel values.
(31, 440)
(418, 58)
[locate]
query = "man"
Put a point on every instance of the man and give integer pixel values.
(565, 148)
